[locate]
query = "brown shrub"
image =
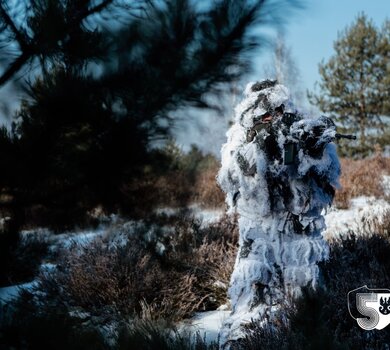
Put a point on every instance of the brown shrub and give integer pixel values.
(99, 275)
(189, 177)
(151, 191)
(208, 260)
(361, 177)
(192, 273)
(207, 192)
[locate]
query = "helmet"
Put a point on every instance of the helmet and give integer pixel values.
(261, 99)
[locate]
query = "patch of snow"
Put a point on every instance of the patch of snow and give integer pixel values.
(340, 222)
(40, 232)
(47, 267)
(207, 323)
(3, 220)
(167, 211)
(220, 284)
(224, 307)
(386, 185)
(206, 216)
(12, 292)
(79, 238)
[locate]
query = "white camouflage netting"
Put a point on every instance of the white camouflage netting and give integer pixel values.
(279, 207)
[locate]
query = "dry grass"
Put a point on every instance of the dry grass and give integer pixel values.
(361, 177)
(191, 178)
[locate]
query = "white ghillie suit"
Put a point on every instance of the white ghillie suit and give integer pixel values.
(279, 171)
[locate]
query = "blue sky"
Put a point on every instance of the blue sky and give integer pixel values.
(311, 32)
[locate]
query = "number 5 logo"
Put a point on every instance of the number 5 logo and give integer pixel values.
(370, 309)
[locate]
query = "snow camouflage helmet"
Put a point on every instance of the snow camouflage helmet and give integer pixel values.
(261, 98)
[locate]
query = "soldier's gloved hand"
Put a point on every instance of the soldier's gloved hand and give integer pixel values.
(315, 136)
(313, 145)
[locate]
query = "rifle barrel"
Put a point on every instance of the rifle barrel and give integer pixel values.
(343, 136)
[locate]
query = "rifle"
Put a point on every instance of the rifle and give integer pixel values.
(343, 136)
(291, 149)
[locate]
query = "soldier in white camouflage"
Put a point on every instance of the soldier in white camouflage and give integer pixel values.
(279, 171)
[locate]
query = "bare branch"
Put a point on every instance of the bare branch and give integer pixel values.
(21, 38)
(95, 9)
(15, 67)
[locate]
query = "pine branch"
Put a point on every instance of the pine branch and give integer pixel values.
(30, 50)
(21, 38)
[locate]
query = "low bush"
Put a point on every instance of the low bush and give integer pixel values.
(363, 177)
(147, 335)
(131, 273)
(176, 273)
(21, 260)
(46, 326)
(174, 179)
(207, 192)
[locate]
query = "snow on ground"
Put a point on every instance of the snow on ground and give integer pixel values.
(82, 238)
(207, 323)
(339, 223)
(386, 185)
(206, 216)
(9, 293)
(65, 239)
(363, 211)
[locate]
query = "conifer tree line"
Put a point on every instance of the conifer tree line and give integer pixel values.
(355, 84)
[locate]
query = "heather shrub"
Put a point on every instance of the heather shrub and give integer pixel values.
(173, 179)
(173, 272)
(141, 273)
(102, 278)
(361, 177)
(207, 192)
(46, 326)
(147, 335)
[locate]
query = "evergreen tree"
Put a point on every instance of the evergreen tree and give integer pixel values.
(109, 74)
(354, 87)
